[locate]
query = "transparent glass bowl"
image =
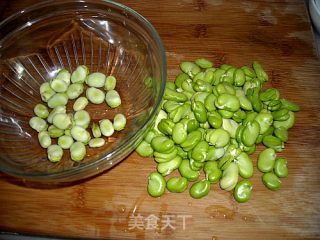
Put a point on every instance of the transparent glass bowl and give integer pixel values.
(107, 37)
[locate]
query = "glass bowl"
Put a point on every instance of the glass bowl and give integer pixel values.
(37, 42)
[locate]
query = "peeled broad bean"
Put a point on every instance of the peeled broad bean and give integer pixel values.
(229, 177)
(96, 79)
(271, 181)
(227, 102)
(77, 151)
(80, 74)
(186, 171)
(75, 90)
(119, 122)
(62, 121)
(286, 123)
(218, 138)
(250, 133)
(38, 124)
(55, 153)
(242, 191)
(80, 104)
(200, 189)
(41, 111)
(177, 184)
(156, 184)
(167, 167)
(273, 142)
(162, 144)
(96, 142)
(266, 160)
(144, 149)
(58, 99)
(213, 173)
(46, 91)
(165, 157)
(59, 109)
(106, 127)
(110, 83)
(96, 132)
(281, 167)
(55, 132)
(65, 142)
(113, 99)
(80, 134)
(58, 85)
(179, 133)
(95, 95)
(44, 139)
(245, 165)
(64, 75)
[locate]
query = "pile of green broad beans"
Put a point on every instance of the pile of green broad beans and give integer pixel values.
(211, 120)
(59, 129)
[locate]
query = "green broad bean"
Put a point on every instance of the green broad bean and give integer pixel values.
(281, 133)
(192, 125)
(251, 116)
(156, 184)
(250, 133)
(55, 153)
(187, 86)
(106, 127)
(168, 167)
(179, 113)
(96, 142)
(205, 125)
(217, 76)
(144, 149)
(202, 86)
(214, 153)
(119, 122)
(38, 124)
(62, 121)
(44, 139)
(274, 105)
(199, 152)
(177, 184)
(194, 165)
(200, 97)
(239, 77)
(150, 135)
(281, 115)
(180, 78)
(261, 74)
(96, 132)
(46, 92)
(80, 74)
(174, 96)
(59, 109)
(248, 150)
(208, 76)
(290, 105)
(271, 181)
(245, 165)
(58, 85)
(80, 104)
(286, 123)
(190, 68)
(209, 102)
(192, 140)
(227, 102)
(181, 153)
(204, 63)
(55, 132)
(64, 75)
(225, 66)
(230, 126)
(77, 151)
(80, 134)
(265, 120)
(110, 83)
(213, 173)
(244, 101)
(186, 171)
(248, 72)
(95, 95)
(113, 99)
(75, 90)
(273, 142)
(162, 144)
(165, 126)
(82, 118)
(200, 189)
(242, 191)
(199, 111)
(239, 116)
(214, 119)
(41, 111)
(170, 106)
(96, 79)
(281, 167)
(179, 133)
(266, 160)
(165, 157)
(65, 142)
(58, 99)
(161, 115)
(218, 138)
(224, 87)
(67, 132)
(229, 177)
(171, 85)
(269, 94)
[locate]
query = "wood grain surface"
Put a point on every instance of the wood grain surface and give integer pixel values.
(278, 34)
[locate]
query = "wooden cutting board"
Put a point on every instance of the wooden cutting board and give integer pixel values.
(115, 205)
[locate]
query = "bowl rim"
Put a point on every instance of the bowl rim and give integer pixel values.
(73, 172)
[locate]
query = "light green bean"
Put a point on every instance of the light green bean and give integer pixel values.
(80, 104)
(96, 79)
(55, 153)
(119, 122)
(110, 83)
(77, 151)
(80, 74)
(82, 118)
(106, 127)
(65, 142)
(95, 95)
(38, 124)
(41, 111)
(113, 99)
(96, 142)
(44, 139)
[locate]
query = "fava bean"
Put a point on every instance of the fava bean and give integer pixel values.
(38, 124)
(200, 189)
(44, 139)
(245, 165)
(242, 191)
(80, 104)
(271, 181)
(80, 134)
(110, 83)
(95, 95)
(62, 121)
(113, 99)
(281, 167)
(77, 151)
(186, 171)
(144, 149)
(96, 142)
(229, 177)
(65, 142)
(119, 122)
(266, 160)
(41, 111)
(156, 184)
(58, 99)
(179, 133)
(80, 74)
(55, 132)
(75, 90)
(168, 167)
(55, 153)
(162, 144)
(96, 79)
(106, 127)
(177, 184)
